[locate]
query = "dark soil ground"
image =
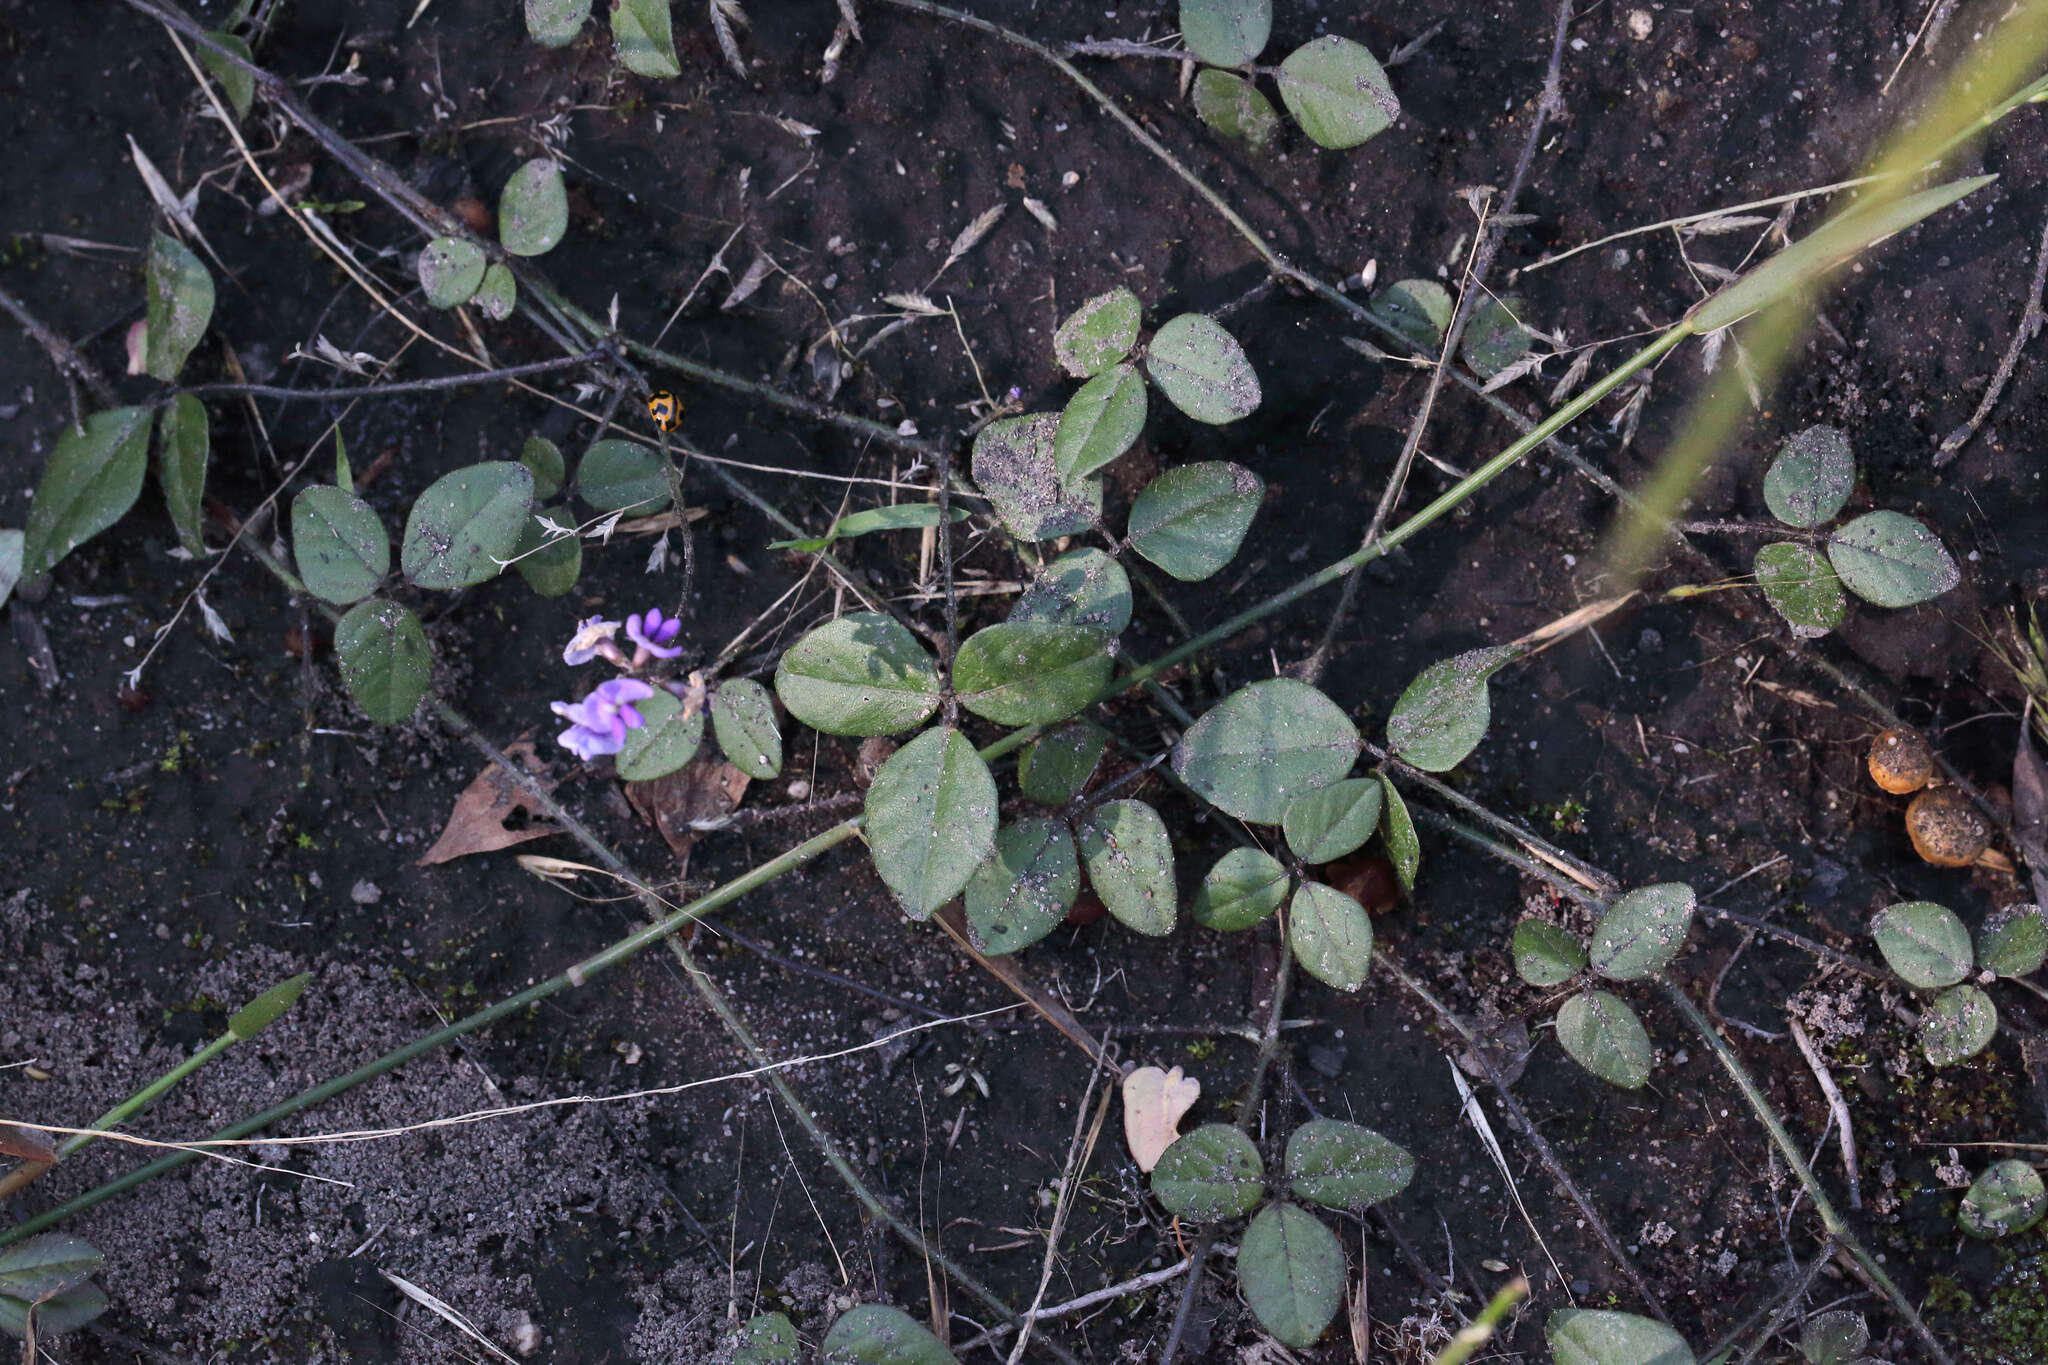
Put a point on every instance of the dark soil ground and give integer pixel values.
(163, 862)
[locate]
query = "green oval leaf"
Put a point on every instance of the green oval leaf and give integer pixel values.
(1202, 370)
(1190, 521)
(931, 819)
(1820, 251)
(544, 458)
(498, 295)
(467, 524)
(1343, 1166)
(874, 1333)
(1130, 863)
(1587, 1336)
(1245, 886)
(1100, 422)
(1957, 1025)
(1226, 32)
(1545, 954)
(180, 306)
(555, 23)
(1337, 92)
(1014, 465)
(1418, 310)
(385, 661)
(1098, 334)
(1082, 587)
(1234, 107)
(862, 674)
(1403, 847)
(667, 737)
(623, 476)
(1210, 1174)
(1030, 672)
(47, 1265)
(183, 445)
(1495, 337)
(265, 1010)
(550, 567)
(1643, 931)
(2013, 941)
(1025, 888)
(1923, 942)
(641, 30)
(1892, 560)
(1054, 768)
(1835, 1338)
(2007, 1198)
(1802, 587)
(766, 1338)
(1811, 477)
(1331, 935)
(1264, 745)
(1327, 824)
(451, 270)
(743, 718)
(1443, 714)
(90, 482)
(55, 1316)
(1292, 1270)
(1603, 1035)
(533, 212)
(237, 82)
(342, 550)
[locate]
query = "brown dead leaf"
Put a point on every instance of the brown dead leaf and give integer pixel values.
(477, 824)
(1154, 1102)
(26, 1143)
(705, 788)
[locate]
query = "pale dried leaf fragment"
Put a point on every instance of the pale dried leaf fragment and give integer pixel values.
(971, 235)
(477, 824)
(724, 15)
(1154, 1102)
(762, 267)
(1037, 209)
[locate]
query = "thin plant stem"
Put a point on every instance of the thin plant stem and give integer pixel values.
(62, 353)
(576, 975)
(720, 1005)
(1552, 1164)
(1837, 1227)
(1248, 1108)
(1480, 1330)
(435, 385)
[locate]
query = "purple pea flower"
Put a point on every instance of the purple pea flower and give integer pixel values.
(651, 633)
(598, 724)
(593, 638)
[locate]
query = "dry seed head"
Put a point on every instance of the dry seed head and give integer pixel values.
(1900, 761)
(1945, 828)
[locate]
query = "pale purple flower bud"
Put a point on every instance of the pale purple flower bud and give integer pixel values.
(651, 633)
(598, 724)
(592, 638)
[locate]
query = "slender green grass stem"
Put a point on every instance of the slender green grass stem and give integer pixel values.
(1831, 1219)
(1480, 1330)
(575, 975)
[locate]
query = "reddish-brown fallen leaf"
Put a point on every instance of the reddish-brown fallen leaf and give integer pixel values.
(705, 788)
(477, 824)
(26, 1143)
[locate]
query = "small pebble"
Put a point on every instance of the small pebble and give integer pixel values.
(1639, 24)
(365, 892)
